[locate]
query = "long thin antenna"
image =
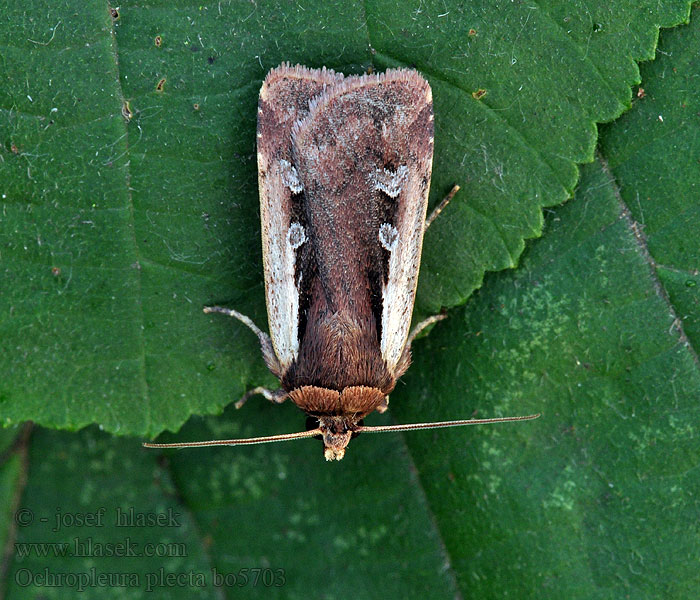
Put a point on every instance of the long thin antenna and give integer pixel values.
(362, 429)
(242, 442)
(439, 424)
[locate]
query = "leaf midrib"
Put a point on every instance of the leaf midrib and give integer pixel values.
(139, 316)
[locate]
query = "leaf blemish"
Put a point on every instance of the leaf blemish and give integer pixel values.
(126, 111)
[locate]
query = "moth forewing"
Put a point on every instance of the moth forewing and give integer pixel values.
(284, 100)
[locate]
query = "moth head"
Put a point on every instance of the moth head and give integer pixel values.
(336, 432)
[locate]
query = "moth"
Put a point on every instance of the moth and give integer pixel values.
(344, 167)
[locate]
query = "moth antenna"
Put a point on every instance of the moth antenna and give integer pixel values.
(241, 442)
(439, 424)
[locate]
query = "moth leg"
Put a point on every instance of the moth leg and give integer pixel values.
(268, 351)
(276, 396)
(383, 406)
(405, 359)
(440, 207)
(422, 325)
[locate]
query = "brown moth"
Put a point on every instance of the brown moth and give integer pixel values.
(344, 168)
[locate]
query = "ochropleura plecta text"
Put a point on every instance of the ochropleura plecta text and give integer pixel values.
(344, 169)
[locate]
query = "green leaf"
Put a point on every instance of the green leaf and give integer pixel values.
(128, 170)
(596, 329)
(655, 158)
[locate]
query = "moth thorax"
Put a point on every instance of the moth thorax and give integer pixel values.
(355, 400)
